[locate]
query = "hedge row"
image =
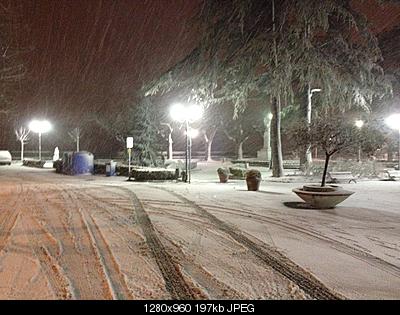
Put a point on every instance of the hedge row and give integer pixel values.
(153, 174)
(237, 173)
(34, 163)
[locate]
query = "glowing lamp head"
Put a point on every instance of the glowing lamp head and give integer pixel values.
(40, 126)
(393, 121)
(177, 112)
(190, 113)
(359, 124)
(270, 116)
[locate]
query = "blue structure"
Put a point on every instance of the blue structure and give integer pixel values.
(78, 163)
(82, 163)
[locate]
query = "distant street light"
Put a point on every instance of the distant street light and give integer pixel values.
(39, 127)
(393, 122)
(359, 124)
(187, 114)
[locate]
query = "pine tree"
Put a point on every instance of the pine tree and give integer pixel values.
(145, 133)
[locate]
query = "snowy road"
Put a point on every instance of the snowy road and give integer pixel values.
(94, 237)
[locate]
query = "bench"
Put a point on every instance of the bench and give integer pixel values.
(392, 174)
(291, 165)
(336, 177)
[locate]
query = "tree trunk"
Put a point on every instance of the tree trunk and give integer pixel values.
(170, 152)
(389, 154)
(277, 162)
(306, 110)
(77, 144)
(209, 140)
(327, 157)
(265, 152)
(22, 151)
(240, 150)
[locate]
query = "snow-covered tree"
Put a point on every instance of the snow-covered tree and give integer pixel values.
(332, 135)
(145, 133)
(23, 137)
(239, 130)
(169, 128)
(75, 135)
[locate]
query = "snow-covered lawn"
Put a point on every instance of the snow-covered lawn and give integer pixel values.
(97, 237)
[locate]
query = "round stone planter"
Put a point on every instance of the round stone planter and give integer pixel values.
(253, 183)
(326, 197)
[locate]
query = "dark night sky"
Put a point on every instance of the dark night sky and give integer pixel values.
(93, 54)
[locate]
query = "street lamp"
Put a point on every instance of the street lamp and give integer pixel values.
(39, 127)
(393, 122)
(359, 124)
(187, 114)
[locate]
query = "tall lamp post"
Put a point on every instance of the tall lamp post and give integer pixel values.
(39, 127)
(359, 123)
(393, 122)
(187, 115)
(310, 93)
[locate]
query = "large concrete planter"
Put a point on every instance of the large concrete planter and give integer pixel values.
(326, 197)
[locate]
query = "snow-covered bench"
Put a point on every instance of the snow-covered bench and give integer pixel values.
(393, 174)
(337, 177)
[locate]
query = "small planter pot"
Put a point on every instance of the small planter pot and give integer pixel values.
(253, 180)
(223, 174)
(326, 197)
(223, 178)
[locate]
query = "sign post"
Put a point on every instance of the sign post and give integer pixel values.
(129, 146)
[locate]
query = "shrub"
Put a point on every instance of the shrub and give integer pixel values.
(223, 171)
(237, 173)
(34, 163)
(99, 168)
(253, 173)
(58, 166)
(152, 174)
(122, 170)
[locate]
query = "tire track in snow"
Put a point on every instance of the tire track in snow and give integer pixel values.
(271, 257)
(174, 280)
(216, 289)
(110, 268)
(208, 283)
(338, 245)
(9, 217)
(79, 258)
(39, 240)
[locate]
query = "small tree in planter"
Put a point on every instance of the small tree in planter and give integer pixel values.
(223, 174)
(332, 135)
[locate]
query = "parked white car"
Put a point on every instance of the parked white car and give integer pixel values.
(5, 157)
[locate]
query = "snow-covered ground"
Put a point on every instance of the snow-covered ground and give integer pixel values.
(97, 237)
